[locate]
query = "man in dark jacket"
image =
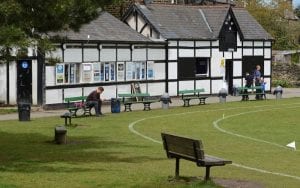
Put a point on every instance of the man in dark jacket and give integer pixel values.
(94, 100)
(249, 82)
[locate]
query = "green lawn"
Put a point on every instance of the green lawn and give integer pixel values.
(103, 152)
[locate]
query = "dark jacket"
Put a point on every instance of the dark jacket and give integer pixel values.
(249, 80)
(93, 96)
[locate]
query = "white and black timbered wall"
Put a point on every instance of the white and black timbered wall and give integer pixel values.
(114, 66)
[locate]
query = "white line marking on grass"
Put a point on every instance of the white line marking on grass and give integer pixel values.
(131, 128)
(215, 123)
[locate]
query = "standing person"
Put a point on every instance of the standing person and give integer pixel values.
(249, 82)
(256, 79)
(94, 100)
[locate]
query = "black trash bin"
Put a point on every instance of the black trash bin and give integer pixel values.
(24, 111)
(115, 105)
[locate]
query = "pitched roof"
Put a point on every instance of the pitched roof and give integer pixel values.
(198, 22)
(104, 28)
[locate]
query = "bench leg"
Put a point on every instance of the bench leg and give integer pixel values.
(177, 169)
(147, 106)
(127, 108)
(186, 103)
(70, 123)
(207, 173)
(66, 121)
(201, 101)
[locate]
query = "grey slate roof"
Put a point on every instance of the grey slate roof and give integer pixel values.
(105, 28)
(198, 22)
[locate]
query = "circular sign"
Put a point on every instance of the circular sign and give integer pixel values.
(24, 64)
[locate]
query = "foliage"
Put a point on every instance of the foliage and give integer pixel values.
(25, 23)
(297, 11)
(102, 152)
(295, 58)
(281, 82)
(271, 15)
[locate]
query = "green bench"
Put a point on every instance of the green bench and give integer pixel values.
(251, 91)
(187, 95)
(77, 106)
(192, 150)
(128, 99)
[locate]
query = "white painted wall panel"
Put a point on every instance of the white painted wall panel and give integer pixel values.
(228, 55)
(144, 88)
(141, 23)
(258, 43)
(72, 92)
(160, 71)
(247, 52)
(268, 84)
(186, 43)
(3, 82)
(172, 43)
(156, 54)
(202, 43)
(139, 54)
(108, 54)
(50, 75)
(216, 86)
(88, 90)
(186, 52)
(267, 68)
(237, 54)
(156, 89)
(215, 62)
(205, 84)
(109, 92)
(258, 52)
(53, 96)
(124, 54)
(146, 32)
(13, 83)
(34, 82)
(183, 85)
(131, 21)
(202, 52)
(215, 43)
(247, 43)
(172, 54)
(268, 53)
(172, 70)
(268, 43)
(73, 55)
(237, 68)
(172, 88)
(124, 88)
(237, 82)
(90, 54)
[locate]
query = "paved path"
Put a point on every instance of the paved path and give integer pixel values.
(39, 113)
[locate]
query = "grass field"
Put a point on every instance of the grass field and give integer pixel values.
(124, 150)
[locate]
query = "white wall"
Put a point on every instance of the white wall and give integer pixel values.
(156, 88)
(186, 85)
(73, 55)
(13, 83)
(34, 82)
(172, 70)
(205, 84)
(3, 82)
(172, 88)
(50, 75)
(53, 96)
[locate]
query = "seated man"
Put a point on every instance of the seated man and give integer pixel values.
(94, 100)
(249, 82)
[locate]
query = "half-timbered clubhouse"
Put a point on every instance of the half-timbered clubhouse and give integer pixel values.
(165, 48)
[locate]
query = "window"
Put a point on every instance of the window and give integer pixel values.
(135, 70)
(68, 73)
(202, 66)
(189, 68)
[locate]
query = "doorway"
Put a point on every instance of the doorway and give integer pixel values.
(24, 81)
(229, 75)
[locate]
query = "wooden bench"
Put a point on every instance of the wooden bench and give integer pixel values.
(251, 91)
(187, 95)
(77, 106)
(191, 150)
(128, 99)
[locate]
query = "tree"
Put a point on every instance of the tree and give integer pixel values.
(24, 23)
(297, 11)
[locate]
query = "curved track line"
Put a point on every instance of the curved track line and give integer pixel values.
(131, 128)
(215, 123)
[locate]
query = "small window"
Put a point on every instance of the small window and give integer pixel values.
(201, 67)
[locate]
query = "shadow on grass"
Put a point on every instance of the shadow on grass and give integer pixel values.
(34, 152)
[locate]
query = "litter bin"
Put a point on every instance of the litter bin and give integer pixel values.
(165, 101)
(222, 95)
(278, 92)
(24, 111)
(115, 105)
